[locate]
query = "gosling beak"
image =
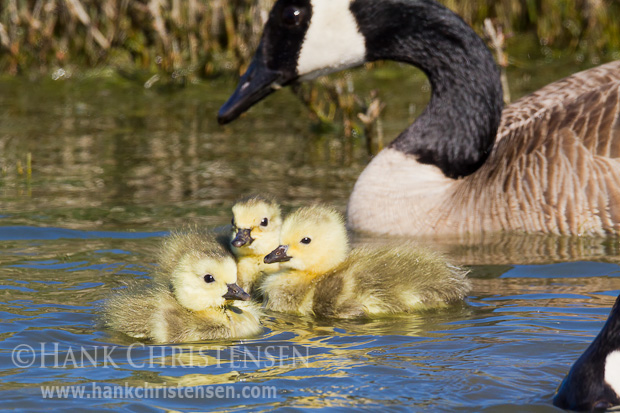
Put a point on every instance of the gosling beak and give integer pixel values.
(236, 293)
(278, 255)
(257, 83)
(242, 238)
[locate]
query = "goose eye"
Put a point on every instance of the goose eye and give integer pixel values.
(292, 16)
(264, 222)
(306, 240)
(209, 278)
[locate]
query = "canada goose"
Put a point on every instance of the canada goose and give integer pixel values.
(318, 275)
(548, 163)
(187, 302)
(593, 383)
(256, 226)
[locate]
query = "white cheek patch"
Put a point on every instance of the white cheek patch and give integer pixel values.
(333, 41)
(612, 371)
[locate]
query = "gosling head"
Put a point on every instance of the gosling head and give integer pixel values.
(256, 225)
(313, 239)
(201, 281)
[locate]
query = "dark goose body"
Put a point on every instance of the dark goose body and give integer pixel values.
(593, 383)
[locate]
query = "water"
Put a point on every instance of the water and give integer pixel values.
(115, 167)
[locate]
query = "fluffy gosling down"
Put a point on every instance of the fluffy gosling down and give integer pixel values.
(255, 233)
(319, 276)
(189, 299)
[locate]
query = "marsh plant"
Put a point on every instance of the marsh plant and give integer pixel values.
(175, 41)
(173, 37)
(203, 37)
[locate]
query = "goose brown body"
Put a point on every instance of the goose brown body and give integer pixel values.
(555, 168)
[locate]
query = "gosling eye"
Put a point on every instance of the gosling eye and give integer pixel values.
(264, 222)
(292, 16)
(232, 222)
(306, 240)
(209, 278)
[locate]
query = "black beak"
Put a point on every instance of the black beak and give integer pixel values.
(277, 255)
(256, 83)
(242, 238)
(236, 293)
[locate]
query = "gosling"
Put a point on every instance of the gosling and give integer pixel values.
(256, 225)
(188, 299)
(319, 276)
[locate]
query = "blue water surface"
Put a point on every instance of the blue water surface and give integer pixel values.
(506, 349)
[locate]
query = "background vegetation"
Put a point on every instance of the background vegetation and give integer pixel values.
(171, 42)
(186, 38)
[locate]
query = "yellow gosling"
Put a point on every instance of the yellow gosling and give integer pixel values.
(255, 233)
(319, 276)
(189, 300)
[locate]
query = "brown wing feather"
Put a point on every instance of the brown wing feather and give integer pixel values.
(568, 89)
(556, 165)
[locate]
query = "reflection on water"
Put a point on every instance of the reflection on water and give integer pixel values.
(506, 349)
(506, 248)
(114, 167)
(113, 154)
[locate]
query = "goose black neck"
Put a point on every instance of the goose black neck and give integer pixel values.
(457, 130)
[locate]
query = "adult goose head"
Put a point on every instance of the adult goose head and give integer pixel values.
(545, 164)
